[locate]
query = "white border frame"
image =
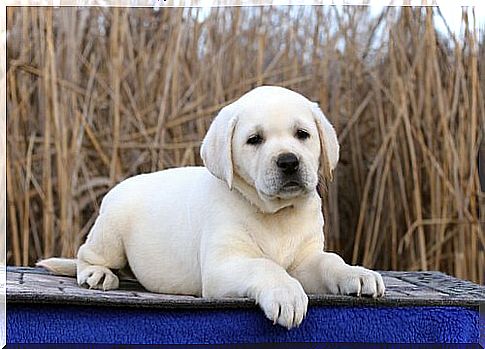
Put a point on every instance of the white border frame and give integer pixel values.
(142, 3)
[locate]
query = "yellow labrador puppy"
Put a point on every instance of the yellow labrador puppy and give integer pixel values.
(248, 224)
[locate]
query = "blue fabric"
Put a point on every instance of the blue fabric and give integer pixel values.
(27, 323)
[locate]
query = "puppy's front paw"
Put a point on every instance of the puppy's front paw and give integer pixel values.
(354, 280)
(98, 277)
(285, 304)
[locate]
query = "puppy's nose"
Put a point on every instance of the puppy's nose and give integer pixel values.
(288, 162)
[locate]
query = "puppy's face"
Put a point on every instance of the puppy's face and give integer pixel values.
(275, 140)
(276, 147)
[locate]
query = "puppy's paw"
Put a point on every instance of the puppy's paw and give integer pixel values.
(97, 277)
(285, 305)
(354, 280)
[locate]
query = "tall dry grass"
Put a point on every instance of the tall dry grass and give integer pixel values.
(99, 94)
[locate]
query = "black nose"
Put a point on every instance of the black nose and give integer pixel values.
(288, 162)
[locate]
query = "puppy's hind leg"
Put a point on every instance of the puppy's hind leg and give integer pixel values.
(102, 251)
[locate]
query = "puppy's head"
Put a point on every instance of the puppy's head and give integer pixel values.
(275, 139)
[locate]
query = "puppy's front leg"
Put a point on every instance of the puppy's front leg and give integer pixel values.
(281, 297)
(324, 272)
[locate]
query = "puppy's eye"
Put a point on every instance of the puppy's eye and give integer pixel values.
(255, 140)
(302, 134)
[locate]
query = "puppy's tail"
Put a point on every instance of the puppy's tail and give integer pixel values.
(59, 266)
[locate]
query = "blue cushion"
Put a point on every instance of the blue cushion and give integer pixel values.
(42, 323)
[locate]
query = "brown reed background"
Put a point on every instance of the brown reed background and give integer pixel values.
(96, 95)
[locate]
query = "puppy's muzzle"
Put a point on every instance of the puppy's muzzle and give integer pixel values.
(289, 166)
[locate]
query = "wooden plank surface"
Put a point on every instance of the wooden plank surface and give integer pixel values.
(35, 285)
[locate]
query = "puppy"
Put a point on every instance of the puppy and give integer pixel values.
(248, 224)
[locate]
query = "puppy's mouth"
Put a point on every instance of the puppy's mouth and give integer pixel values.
(291, 186)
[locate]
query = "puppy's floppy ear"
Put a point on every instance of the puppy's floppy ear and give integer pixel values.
(216, 149)
(329, 152)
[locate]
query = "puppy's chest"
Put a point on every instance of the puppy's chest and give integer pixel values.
(281, 240)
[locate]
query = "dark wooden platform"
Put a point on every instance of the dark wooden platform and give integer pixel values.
(35, 285)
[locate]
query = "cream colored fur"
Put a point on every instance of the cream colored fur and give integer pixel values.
(229, 229)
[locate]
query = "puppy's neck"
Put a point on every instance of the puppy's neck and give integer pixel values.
(249, 193)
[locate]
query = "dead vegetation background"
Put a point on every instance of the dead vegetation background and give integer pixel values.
(96, 95)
